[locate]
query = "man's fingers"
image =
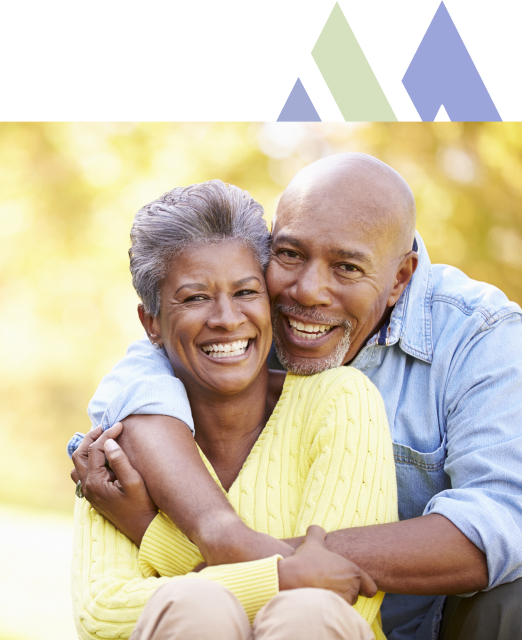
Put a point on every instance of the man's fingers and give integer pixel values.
(315, 533)
(120, 464)
(74, 475)
(368, 587)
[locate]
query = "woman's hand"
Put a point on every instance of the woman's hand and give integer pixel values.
(313, 565)
(118, 494)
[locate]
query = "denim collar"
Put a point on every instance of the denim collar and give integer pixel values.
(410, 320)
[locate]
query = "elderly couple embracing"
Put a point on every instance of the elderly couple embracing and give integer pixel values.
(316, 417)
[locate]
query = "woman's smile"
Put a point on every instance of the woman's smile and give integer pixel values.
(227, 350)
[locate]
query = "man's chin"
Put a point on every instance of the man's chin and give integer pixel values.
(310, 366)
(307, 366)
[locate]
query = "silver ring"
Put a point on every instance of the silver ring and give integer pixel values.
(78, 491)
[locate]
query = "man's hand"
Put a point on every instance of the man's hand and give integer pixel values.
(312, 565)
(118, 494)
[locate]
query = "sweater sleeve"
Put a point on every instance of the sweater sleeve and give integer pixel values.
(110, 590)
(349, 476)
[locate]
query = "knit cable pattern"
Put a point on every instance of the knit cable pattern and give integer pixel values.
(325, 457)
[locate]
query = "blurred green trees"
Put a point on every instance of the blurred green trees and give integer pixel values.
(68, 194)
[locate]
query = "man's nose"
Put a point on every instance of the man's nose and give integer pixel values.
(311, 287)
(225, 315)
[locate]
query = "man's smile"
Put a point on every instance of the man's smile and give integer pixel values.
(308, 331)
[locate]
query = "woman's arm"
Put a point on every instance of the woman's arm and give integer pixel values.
(164, 451)
(108, 568)
(165, 454)
(112, 580)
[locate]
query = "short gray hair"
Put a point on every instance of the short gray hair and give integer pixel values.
(208, 212)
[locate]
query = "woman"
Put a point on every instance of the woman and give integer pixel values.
(288, 452)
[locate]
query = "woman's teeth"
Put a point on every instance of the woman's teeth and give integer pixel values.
(313, 331)
(226, 350)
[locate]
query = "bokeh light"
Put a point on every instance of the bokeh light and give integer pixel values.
(68, 194)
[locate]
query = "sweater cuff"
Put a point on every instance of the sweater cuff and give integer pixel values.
(165, 550)
(253, 583)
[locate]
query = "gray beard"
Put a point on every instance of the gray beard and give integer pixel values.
(314, 365)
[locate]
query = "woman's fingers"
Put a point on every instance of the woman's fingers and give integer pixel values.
(88, 439)
(96, 451)
(114, 431)
(98, 476)
(119, 462)
(80, 456)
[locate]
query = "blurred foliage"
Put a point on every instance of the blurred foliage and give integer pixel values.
(68, 194)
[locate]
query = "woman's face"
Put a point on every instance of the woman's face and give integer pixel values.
(215, 317)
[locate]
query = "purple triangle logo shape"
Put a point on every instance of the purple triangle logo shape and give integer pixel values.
(443, 73)
(298, 107)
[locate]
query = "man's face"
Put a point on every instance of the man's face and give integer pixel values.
(332, 276)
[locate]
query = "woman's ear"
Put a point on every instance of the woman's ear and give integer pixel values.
(151, 326)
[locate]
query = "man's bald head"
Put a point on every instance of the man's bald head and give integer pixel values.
(370, 192)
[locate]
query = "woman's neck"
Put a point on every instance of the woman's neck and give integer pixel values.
(227, 426)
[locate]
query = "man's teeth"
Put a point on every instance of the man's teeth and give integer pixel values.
(313, 331)
(226, 349)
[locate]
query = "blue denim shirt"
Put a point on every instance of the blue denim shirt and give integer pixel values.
(449, 367)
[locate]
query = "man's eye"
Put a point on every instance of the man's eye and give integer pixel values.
(288, 253)
(350, 268)
(245, 292)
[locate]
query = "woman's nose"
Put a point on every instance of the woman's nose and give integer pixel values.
(225, 315)
(311, 287)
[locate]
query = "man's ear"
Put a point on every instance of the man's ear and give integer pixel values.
(151, 326)
(403, 276)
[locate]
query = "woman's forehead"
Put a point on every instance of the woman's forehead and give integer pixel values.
(227, 261)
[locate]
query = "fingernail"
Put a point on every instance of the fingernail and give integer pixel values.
(111, 445)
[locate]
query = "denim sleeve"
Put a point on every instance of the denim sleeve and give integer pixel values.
(143, 382)
(483, 412)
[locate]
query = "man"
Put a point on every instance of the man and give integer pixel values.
(351, 284)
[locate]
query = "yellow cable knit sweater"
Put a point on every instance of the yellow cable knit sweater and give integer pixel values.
(325, 457)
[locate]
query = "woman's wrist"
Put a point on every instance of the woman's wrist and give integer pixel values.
(137, 528)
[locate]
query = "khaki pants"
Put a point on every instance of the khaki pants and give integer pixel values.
(199, 609)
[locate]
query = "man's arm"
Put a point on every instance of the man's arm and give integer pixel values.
(470, 536)
(422, 556)
(143, 383)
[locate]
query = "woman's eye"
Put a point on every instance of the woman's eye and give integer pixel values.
(245, 292)
(195, 299)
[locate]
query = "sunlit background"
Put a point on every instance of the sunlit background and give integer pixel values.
(68, 194)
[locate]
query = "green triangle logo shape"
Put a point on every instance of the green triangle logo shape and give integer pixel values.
(348, 75)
